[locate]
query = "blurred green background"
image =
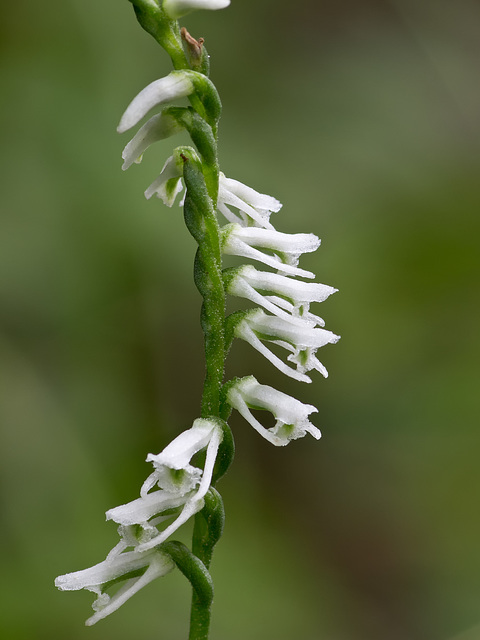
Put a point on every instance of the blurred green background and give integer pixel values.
(362, 117)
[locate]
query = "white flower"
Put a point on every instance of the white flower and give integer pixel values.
(291, 415)
(284, 297)
(181, 484)
(254, 208)
(150, 564)
(177, 84)
(246, 242)
(169, 183)
(159, 127)
(301, 340)
(178, 8)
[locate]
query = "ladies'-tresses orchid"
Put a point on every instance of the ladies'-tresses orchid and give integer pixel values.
(180, 484)
(290, 414)
(285, 248)
(284, 297)
(256, 326)
(135, 568)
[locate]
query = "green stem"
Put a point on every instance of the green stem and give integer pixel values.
(201, 181)
(197, 573)
(202, 223)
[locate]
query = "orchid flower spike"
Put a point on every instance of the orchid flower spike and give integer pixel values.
(302, 341)
(178, 8)
(180, 484)
(284, 297)
(286, 248)
(136, 569)
(254, 208)
(291, 415)
(178, 84)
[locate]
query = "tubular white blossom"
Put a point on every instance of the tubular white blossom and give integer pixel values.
(168, 184)
(159, 127)
(181, 485)
(178, 8)
(291, 415)
(116, 565)
(173, 471)
(195, 502)
(284, 297)
(177, 84)
(254, 208)
(246, 242)
(301, 340)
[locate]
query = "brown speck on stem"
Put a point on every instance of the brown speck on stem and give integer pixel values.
(194, 46)
(184, 157)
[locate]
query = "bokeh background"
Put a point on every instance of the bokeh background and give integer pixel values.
(362, 117)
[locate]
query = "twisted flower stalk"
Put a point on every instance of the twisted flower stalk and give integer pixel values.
(185, 474)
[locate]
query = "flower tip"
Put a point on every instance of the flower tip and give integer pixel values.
(179, 8)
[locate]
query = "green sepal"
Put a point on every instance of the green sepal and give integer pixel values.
(231, 322)
(208, 528)
(225, 408)
(229, 274)
(193, 569)
(226, 453)
(208, 95)
(196, 53)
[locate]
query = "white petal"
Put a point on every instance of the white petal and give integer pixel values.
(168, 184)
(300, 335)
(301, 339)
(159, 127)
(191, 508)
(243, 242)
(103, 572)
(291, 414)
(176, 85)
(139, 511)
(260, 201)
(178, 8)
(244, 331)
(260, 216)
(160, 565)
(295, 314)
(248, 282)
(180, 451)
(295, 290)
(294, 243)
(196, 502)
